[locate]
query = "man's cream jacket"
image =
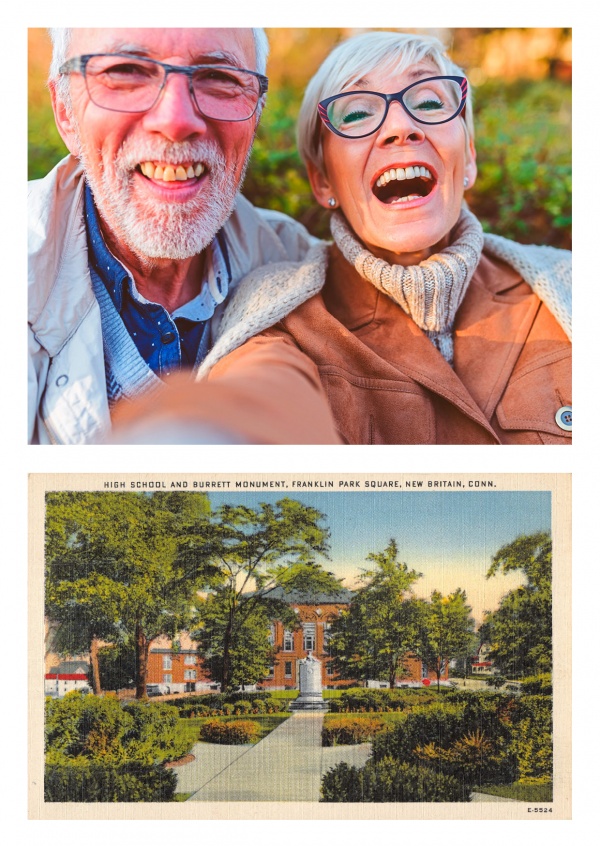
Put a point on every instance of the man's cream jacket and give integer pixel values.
(66, 378)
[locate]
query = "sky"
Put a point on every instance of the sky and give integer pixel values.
(449, 537)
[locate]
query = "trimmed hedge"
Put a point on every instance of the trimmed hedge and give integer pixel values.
(83, 781)
(344, 730)
(233, 732)
(372, 700)
(224, 704)
(390, 781)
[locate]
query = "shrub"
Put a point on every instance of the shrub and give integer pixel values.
(390, 781)
(101, 729)
(532, 739)
(541, 684)
(242, 707)
(153, 737)
(86, 725)
(233, 732)
(348, 731)
(85, 781)
(367, 700)
(470, 740)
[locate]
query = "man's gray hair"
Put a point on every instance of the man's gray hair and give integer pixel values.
(357, 57)
(61, 39)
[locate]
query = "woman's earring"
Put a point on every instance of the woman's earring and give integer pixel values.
(332, 202)
(466, 182)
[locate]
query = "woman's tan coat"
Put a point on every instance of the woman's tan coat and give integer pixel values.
(387, 384)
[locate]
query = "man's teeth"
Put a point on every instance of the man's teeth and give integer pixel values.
(171, 173)
(403, 173)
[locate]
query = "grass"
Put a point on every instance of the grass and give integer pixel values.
(521, 792)
(189, 728)
(181, 797)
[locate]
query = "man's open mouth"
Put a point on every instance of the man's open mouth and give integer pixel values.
(172, 172)
(401, 185)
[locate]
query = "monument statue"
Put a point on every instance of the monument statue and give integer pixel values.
(311, 686)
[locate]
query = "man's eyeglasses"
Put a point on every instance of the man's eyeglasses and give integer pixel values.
(123, 82)
(356, 114)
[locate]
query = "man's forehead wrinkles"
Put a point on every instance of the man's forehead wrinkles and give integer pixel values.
(217, 57)
(124, 47)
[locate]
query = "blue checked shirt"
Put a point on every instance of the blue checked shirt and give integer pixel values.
(166, 342)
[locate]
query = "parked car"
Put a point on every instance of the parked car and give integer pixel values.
(157, 689)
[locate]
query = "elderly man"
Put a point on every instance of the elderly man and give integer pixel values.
(139, 236)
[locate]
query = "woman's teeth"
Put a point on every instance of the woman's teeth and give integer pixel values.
(403, 173)
(171, 173)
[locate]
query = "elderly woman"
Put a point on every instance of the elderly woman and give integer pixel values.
(417, 327)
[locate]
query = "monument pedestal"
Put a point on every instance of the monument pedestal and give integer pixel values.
(311, 686)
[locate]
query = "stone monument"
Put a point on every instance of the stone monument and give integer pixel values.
(311, 687)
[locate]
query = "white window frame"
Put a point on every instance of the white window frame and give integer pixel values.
(309, 634)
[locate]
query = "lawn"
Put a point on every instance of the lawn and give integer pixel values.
(190, 727)
(521, 792)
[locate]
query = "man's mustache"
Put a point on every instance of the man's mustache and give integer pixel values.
(133, 153)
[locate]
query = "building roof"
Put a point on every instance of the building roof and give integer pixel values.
(69, 667)
(343, 595)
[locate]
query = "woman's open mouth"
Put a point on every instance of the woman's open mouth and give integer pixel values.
(402, 185)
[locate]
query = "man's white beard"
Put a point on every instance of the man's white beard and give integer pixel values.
(161, 229)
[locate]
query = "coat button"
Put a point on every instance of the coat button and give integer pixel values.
(564, 418)
(168, 337)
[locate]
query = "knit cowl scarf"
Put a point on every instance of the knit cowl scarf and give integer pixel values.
(430, 292)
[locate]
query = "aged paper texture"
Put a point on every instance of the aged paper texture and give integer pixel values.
(466, 552)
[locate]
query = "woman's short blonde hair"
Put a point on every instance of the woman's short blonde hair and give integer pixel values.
(356, 58)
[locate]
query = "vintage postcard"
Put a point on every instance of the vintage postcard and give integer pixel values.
(264, 646)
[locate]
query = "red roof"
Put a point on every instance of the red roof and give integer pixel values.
(67, 676)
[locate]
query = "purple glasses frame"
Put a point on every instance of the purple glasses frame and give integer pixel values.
(398, 97)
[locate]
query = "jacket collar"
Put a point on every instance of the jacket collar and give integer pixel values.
(497, 306)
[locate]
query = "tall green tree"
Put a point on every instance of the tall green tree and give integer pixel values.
(254, 552)
(372, 638)
(123, 567)
(519, 631)
(250, 650)
(446, 630)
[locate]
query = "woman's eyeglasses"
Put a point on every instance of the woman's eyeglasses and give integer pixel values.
(356, 114)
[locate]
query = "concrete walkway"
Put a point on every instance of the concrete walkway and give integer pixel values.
(286, 766)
